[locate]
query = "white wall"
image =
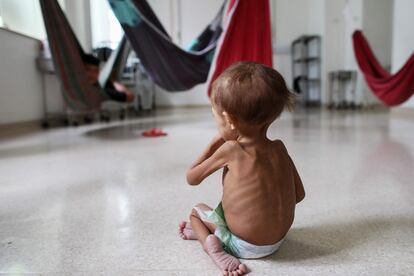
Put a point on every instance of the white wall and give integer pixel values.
(167, 12)
(184, 24)
(403, 37)
(21, 87)
(23, 17)
(79, 15)
(316, 20)
(195, 16)
(291, 19)
(290, 22)
(338, 51)
(326, 18)
(374, 17)
(106, 30)
(21, 93)
(377, 27)
(377, 24)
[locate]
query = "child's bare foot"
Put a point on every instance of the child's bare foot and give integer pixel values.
(228, 264)
(185, 231)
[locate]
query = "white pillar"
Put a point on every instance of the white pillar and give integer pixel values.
(403, 38)
(78, 13)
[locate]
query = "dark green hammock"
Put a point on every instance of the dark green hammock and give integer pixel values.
(168, 65)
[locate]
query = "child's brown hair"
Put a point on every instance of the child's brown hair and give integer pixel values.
(251, 92)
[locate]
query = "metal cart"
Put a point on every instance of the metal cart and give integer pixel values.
(46, 67)
(341, 83)
(306, 68)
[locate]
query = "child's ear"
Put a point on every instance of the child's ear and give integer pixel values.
(229, 120)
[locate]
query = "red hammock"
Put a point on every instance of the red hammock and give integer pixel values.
(247, 37)
(392, 90)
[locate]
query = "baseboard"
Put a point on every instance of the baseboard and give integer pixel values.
(16, 129)
(365, 107)
(189, 106)
(403, 112)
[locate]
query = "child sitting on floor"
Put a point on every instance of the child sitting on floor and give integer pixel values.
(260, 183)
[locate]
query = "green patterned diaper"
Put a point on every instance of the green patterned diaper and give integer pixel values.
(230, 242)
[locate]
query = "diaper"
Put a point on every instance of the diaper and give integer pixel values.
(230, 242)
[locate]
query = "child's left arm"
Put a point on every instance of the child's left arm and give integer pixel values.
(214, 158)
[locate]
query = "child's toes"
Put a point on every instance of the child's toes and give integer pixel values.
(243, 269)
(182, 224)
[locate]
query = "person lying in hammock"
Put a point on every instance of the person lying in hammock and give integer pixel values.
(115, 90)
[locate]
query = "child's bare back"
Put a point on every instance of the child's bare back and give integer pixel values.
(260, 183)
(260, 190)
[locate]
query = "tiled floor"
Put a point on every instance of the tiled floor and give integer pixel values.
(101, 199)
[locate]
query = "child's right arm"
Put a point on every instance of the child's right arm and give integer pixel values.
(215, 143)
(215, 157)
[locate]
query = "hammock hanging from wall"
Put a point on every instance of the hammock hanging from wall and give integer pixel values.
(392, 90)
(68, 57)
(168, 65)
(246, 37)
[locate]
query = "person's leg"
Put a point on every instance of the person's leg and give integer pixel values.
(185, 229)
(201, 228)
(204, 231)
(228, 264)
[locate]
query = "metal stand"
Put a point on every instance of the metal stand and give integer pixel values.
(306, 68)
(338, 82)
(142, 85)
(46, 67)
(68, 116)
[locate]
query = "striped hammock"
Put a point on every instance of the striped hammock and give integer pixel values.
(68, 55)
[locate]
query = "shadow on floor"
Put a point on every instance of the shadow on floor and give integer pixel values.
(329, 239)
(122, 132)
(24, 151)
(388, 151)
(118, 133)
(133, 130)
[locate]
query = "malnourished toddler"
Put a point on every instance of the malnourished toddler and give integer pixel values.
(260, 183)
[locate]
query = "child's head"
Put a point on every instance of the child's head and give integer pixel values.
(91, 68)
(250, 94)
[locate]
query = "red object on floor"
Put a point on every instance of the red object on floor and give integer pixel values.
(246, 37)
(154, 132)
(391, 89)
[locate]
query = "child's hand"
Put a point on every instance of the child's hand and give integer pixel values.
(119, 86)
